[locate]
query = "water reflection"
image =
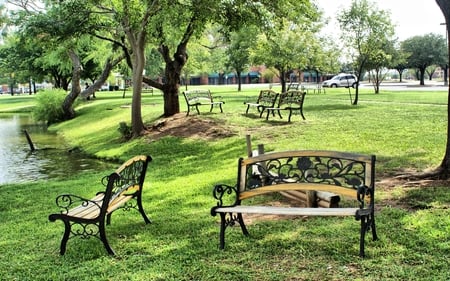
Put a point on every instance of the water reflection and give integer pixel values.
(50, 159)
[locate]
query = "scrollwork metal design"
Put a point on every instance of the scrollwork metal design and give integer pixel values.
(313, 169)
(221, 190)
(68, 201)
(85, 231)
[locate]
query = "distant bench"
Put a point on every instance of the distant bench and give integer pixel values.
(196, 98)
(85, 218)
(266, 98)
(291, 101)
(345, 174)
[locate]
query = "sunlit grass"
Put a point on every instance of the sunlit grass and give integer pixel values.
(406, 130)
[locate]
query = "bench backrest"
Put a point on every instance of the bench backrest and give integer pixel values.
(347, 174)
(128, 178)
(291, 99)
(197, 95)
(294, 86)
(267, 98)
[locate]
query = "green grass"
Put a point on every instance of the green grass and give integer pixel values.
(406, 130)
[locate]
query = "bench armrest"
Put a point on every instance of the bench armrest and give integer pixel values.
(69, 201)
(223, 192)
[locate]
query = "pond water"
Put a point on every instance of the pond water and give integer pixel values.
(51, 158)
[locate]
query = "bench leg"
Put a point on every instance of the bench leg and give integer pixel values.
(290, 114)
(222, 231)
(65, 237)
(301, 113)
(242, 224)
(372, 225)
(248, 107)
(362, 235)
(141, 210)
(102, 231)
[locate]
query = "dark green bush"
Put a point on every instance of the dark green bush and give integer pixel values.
(125, 130)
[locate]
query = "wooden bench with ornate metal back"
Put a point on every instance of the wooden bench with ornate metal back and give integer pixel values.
(266, 98)
(291, 101)
(349, 175)
(86, 218)
(196, 98)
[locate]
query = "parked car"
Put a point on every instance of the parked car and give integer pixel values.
(341, 80)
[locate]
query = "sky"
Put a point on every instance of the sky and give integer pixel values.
(410, 17)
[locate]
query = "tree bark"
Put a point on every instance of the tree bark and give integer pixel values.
(109, 65)
(444, 168)
(67, 106)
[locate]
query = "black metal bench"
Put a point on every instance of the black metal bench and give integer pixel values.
(291, 101)
(196, 98)
(86, 218)
(266, 98)
(349, 175)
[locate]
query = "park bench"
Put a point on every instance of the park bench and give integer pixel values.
(349, 175)
(266, 98)
(291, 101)
(196, 98)
(86, 218)
(294, 86)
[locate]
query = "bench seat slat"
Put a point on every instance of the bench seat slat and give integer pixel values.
(270, 210)
(89, 211)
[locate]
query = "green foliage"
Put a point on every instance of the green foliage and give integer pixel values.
(366, 30)
(425, 50)
(125, 130)
(49, 106)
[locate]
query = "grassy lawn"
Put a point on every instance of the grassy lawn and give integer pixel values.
(406, 130)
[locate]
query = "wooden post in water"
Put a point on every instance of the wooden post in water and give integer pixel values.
(30, 142)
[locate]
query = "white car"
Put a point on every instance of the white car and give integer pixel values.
(341, 80)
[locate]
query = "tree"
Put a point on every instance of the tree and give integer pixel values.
(443, 171)
(286, 49)
(424, 50)
(378, 62)
(238, 52)
(169, 26)
(399, 61)
(323, 57)
(365, 29)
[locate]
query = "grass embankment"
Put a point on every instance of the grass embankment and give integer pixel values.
(406, 130)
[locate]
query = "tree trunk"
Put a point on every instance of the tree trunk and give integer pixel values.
(173, 75)
(444, 168)
(422, 76)
(282, 79)
(95, 86)
(238, 74)
(138, 58)
(67, 106)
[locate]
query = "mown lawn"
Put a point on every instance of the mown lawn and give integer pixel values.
(406, 130)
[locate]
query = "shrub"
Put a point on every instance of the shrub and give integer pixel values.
(49, 106)
(125, 130)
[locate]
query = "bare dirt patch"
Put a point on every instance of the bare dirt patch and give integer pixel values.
(180, 125)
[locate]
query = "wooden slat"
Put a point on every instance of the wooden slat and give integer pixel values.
(130, 161)
(270, 210)
(89, 211)
(344, 191)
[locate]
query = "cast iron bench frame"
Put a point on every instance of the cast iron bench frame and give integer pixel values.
(291, 101)
(266, 98)
(86, 218)
(347, 174)
(196, 98)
